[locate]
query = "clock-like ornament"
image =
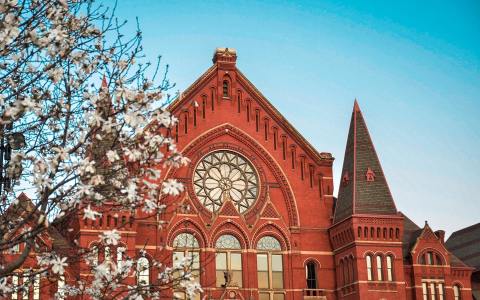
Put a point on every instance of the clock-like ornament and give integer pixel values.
(223, 175)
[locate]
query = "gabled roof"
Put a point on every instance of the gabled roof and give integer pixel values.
(226, 58)
(363, 187)
(465, 244)
(411, 232)
(24, 207)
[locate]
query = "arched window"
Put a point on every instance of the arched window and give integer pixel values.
(430, 258)
(143, 271)
(225, 89)
(368, 259)
(228, 260)
(352, 270)
(186, 245)
(457, 292)
(269, 263)
(342, 270)
(389, 268)
(311, 276)
(379, 268)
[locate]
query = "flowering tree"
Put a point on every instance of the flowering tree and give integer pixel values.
(88, 132)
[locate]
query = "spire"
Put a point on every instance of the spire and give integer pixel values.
(363, 187)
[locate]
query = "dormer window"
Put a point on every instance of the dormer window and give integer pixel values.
(225, 89)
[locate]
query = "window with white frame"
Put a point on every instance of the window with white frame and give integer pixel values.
(228, 260)
(270, 268)
(185, 245)
(368, 259)
(379, 268)
(389, 268)
(457, 292)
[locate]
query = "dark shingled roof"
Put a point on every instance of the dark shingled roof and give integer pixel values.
(465, 244)
(357, 195)
(410, 234)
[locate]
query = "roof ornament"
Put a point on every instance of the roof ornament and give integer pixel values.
(370, 175)
(345, 178)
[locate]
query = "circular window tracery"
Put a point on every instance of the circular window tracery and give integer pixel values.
(223, 175)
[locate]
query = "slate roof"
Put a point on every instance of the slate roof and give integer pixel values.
(357, 195)
(411, 232)
(465, 244)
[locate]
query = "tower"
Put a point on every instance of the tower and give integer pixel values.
(367, 230)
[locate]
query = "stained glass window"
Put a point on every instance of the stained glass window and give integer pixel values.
(268, 243)
(269, 263)
(185, 240)
(227, 241)
(225, 174)
(229, 260)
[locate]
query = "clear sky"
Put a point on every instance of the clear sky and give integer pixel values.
(414, 67)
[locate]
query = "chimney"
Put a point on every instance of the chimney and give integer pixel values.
(225, 57)
(441, 235)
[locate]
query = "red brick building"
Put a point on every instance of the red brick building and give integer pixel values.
(259, 204)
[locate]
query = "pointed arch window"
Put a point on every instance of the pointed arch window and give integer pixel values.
(457, 292)
(270, 267)
(368, 259)
(389, 268)
(143, 271)
(311, 276)
(185, 245)
(226, 88)
(228, 261)
(379, 268)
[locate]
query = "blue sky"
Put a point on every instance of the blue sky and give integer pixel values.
(414, 67)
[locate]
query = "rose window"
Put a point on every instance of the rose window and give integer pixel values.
(223, 175)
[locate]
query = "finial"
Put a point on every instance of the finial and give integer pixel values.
(356, 107)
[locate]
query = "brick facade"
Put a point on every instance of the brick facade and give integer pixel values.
(223, 110)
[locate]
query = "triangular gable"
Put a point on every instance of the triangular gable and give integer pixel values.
(224, 65)
(228, 209)
(186, 206)
(269, 212)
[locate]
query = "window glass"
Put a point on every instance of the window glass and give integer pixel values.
(432, 290)
(227, 241)
(424, 290)
(369, 267)
(311, 275)
(268, 243)
(379, 268)
(277, 264)
(389, 269)
(264, 296)
(278, 296)
(262, 266)
(456, 292)
(185, 240)
(440, 291)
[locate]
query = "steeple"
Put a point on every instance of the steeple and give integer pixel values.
(363, 187)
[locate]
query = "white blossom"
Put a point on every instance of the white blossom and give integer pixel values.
(88, 213)
(110, 237)
(172, 187)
